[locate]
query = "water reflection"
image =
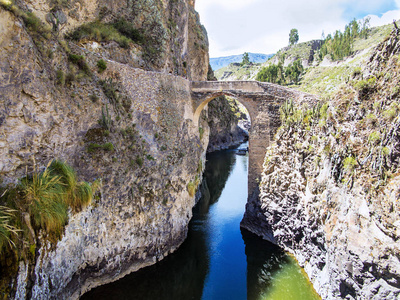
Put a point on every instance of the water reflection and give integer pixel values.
(217, 261)
(179, 276)
(218, 169)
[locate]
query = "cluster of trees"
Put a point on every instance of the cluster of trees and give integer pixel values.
(341, 44)
(280, 74)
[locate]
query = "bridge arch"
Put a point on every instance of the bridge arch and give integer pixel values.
(212, 96)
(262, 101)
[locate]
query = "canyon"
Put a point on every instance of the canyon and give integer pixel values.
(128, 107)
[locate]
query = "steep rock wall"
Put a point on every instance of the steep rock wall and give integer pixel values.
(52, 108)
(330, 187)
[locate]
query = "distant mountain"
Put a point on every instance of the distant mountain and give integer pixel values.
(220, 62)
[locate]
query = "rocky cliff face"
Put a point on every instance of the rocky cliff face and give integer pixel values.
(330, 186)
(58, 101)
(224, 118)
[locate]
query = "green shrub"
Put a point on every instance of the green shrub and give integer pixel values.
(324, 111)
(6, 4)
(356, 72)
(201, 131)
(385, 151)
(105, 120)
(70, 78)
(94, 98)
(49, 194)
(139, 161)
(35, 24)
(365, 87)
(60, 77)
(327, 149)
(127, 29)
(45, 197)
(101, 65)
(110, 90)
(374, 138)
(93, 147)
(80, 61)
(108, 147)
(391, 113)
(371, 118)
(43, 193)
(99, 32)
(349, 164)
(191, 188)
(200, 166)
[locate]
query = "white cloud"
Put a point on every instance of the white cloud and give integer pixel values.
(236, 26)
(386, 18)
(224, 4)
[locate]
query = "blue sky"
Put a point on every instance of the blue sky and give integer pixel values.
(359, 10)
(263, 26)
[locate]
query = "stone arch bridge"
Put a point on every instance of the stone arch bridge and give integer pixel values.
(262, 100)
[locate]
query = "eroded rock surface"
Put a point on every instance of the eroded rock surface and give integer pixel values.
(330, 186)
(56, 105)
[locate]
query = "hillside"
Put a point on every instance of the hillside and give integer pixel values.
(235, 71)
(326, 76)
(319, 77)
(221, 62)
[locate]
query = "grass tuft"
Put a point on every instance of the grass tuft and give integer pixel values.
(77, 194)
(6, 227)
(43, 194)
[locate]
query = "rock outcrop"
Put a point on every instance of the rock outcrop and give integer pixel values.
(58, 101)
(330, 186)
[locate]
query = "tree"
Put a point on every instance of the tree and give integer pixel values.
(293, 36)
(268, 74)
(245, 59)
(294, 70)
(365, 27)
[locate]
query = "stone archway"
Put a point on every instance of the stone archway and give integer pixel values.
(262, 101)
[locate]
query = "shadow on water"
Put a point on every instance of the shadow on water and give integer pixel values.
(179, 276)
(218, 169)
(217, 260)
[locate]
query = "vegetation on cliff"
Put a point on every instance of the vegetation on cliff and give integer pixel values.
(38, 207)
(341, 178)
(46, 198)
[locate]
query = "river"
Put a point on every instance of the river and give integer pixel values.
(218, 260)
